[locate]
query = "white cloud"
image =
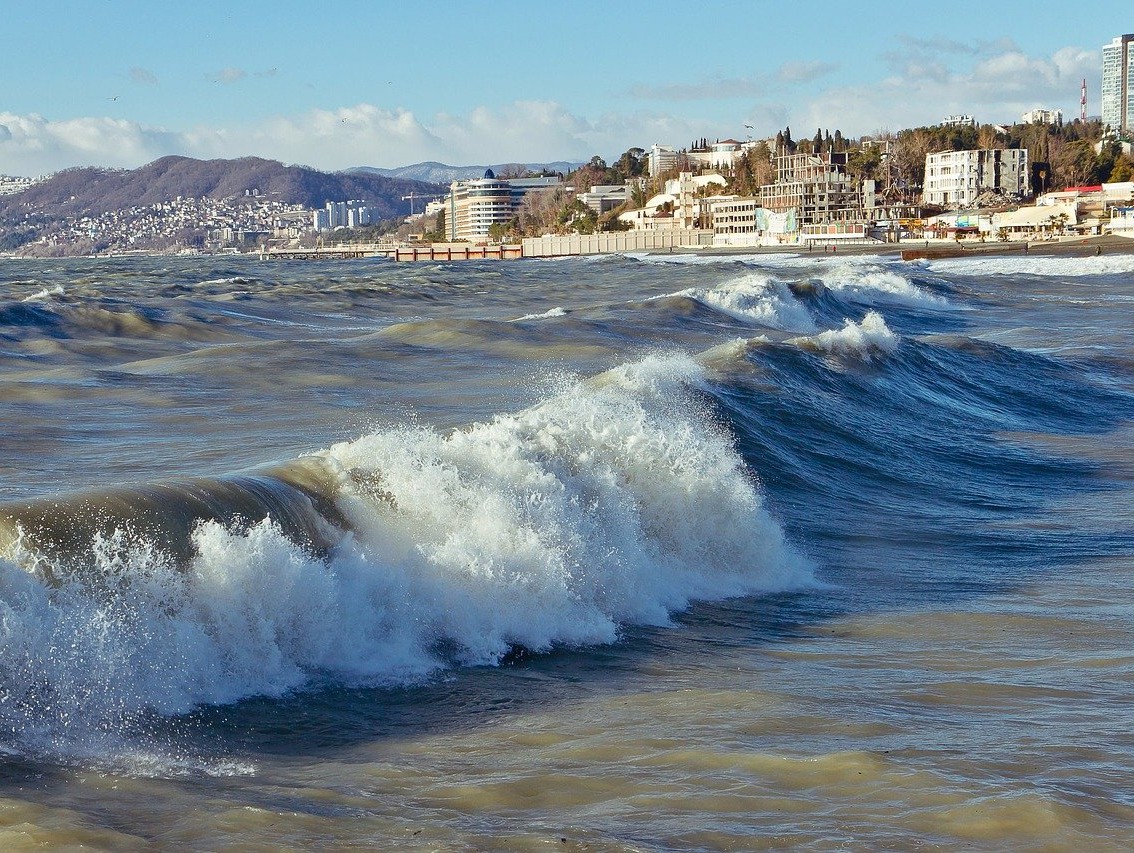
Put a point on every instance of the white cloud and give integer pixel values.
(996, 82)
(33, 145)
(997, 86)
(142, 76)
(229, 75)
(719, 88)
(336, 139)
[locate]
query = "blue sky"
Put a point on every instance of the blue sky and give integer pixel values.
(119, 83)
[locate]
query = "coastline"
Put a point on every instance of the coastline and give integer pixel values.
(908, 250)
(935, 249)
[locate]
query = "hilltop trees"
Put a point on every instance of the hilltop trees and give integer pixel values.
(752, 169)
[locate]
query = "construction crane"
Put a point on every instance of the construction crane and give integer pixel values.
(410, 199)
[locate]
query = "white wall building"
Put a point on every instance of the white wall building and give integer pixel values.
(954, 179)
(958, 121)
(662, 159)
(1117, 100)
(604, 198)
(735, 221)
(1043, 116)
(721, 154)
(1122, 222)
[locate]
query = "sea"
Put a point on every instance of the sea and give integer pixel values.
(775, 551)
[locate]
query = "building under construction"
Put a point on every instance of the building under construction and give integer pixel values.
(826, 200)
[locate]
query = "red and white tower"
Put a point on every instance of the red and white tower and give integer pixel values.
(1083, 101)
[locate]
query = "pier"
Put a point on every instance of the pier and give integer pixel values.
(399, 252)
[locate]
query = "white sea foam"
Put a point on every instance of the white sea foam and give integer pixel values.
(755, 297)
(1038, 265)
(546, 315)
(697, 259)
(45, 293)
(613, 502)
(866, 280)
(870, 336)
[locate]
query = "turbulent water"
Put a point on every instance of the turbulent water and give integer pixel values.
(628, 553)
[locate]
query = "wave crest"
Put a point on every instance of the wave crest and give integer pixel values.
(865, 338)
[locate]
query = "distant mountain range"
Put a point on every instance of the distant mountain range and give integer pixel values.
(440, 173)
(91, 191)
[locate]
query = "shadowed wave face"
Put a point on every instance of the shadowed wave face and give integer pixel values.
(57, 534)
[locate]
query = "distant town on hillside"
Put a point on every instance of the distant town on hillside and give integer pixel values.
(1040, 176)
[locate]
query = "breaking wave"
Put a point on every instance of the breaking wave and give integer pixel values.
(616, 501)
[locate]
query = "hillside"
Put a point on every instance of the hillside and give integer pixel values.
(95, 191)
(440, 173)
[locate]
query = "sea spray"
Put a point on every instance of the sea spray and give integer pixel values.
(756, 298)
(616, 501)
(863, 339)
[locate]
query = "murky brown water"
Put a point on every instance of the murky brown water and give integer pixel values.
(960, 677)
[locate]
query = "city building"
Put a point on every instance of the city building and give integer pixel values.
(817, 189)
(1043, 116)
(684, 204)
(341, 214)
(718, 155)
(954, 179)
(735, 220)
(10, 185)
(604, 198)
(662, 159)
(1118, 84)
(473, 207)
(958, 121)
(1122, 222)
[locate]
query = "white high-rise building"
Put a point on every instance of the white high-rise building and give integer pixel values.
(1118, 84)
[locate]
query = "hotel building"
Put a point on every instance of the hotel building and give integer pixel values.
(475, 206)
(1118, 84)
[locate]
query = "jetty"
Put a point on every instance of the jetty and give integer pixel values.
(399, 252)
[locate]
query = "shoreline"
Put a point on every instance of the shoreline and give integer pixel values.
(1108, 244)
(935, 249)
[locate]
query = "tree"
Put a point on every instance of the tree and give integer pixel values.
(987, 137)
(908, 156)
(576, 216)
(864, 163)
(539, 211)
(1123, 170)
(631, 164)
(1074, 164)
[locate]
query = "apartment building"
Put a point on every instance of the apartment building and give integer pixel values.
(954, 179)
(1117, 100)
(1043, 116)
